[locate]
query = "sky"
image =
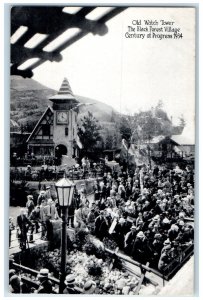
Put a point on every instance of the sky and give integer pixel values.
(133, 74)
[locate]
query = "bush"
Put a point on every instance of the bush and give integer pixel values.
(94, 270)
(81, 238)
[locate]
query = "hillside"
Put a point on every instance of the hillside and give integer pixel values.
(29, 99)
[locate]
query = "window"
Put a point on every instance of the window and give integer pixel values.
(46, 130)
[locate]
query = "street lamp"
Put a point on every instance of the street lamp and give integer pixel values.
(64, 189)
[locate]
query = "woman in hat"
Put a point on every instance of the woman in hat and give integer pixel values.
(70, 285)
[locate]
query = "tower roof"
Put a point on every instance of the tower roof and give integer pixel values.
(65, 88)
(64, 93)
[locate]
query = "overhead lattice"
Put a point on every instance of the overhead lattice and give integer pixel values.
(39, 34)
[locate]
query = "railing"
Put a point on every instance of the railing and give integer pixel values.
(178, 262)
(35, 273)
(37, 175)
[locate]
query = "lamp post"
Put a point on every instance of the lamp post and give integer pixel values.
(64, 188)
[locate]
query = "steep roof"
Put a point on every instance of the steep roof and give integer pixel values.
(64, 93)
(38, 123)
(186, 138)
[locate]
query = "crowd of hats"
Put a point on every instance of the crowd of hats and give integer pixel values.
(155, 203)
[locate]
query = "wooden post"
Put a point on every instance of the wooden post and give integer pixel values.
(143, 272)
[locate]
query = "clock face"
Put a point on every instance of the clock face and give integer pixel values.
(62, 117)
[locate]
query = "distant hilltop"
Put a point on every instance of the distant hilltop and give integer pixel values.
(29, 99)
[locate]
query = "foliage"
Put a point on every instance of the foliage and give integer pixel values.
(88, 132)
(125, 127)
(111, 136)
(143, 126)
(94, 269)
(81, 238)
(110, 244)
(91, 249)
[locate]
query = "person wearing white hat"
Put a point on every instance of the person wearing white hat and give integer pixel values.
(70, 285)
(45, 284)
(166, 243)
(165, 258)
(89, 287)
(173, 232)
(121, 230)
(157, 247)
(141, 250)
(42, 196)
(130, 239)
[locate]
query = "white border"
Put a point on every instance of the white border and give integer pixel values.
(4, 114)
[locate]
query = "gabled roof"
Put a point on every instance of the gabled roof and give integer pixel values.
(182, 139)
(40, 120)
(187, 137)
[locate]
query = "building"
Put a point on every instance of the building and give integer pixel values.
(55, 134)
(186, 142)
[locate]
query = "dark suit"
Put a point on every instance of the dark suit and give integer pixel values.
(23, 223)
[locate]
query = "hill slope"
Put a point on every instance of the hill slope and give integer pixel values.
(29, 99)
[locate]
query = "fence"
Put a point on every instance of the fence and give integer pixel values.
(50, 174)
(178, 262)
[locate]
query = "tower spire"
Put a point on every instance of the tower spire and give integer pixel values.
(65, 88)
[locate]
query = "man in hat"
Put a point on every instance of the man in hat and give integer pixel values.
(173, 232)
(42, 196)
(15, 284)
(155, 220)
(11, 273)
(91, 220)
(157, 244)
(165, 258)
(141, 250)
(30, 204)
(89, 287)
(102, 225)
(130, 239)
(70, 285)
(11, 227)
(165, 245)
(35, 219)
(45, 286)
(120, 232)
(22, 227)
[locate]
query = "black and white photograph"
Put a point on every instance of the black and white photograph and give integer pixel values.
(102, 150)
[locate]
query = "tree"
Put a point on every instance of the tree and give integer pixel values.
(88, 132)
(143, 126)
(125, 127)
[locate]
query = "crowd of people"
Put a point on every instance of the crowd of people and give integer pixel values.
(54, 172)
(35, 219)
(19, 283)
(149, 213)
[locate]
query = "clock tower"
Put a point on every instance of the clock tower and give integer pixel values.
(65, 121)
